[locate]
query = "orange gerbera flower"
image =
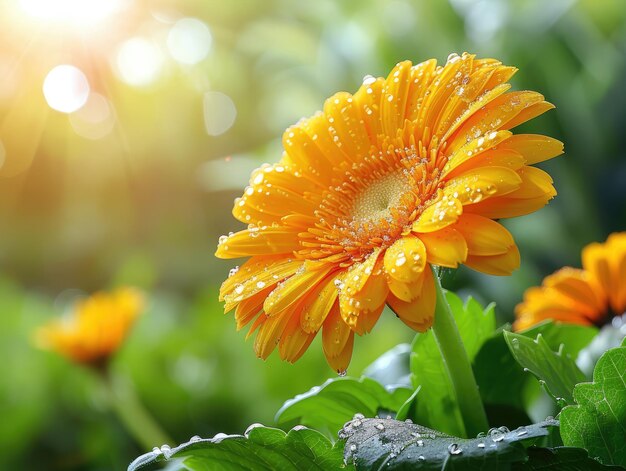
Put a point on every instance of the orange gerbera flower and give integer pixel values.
(407, 172)
(588, 296)
(96, 328)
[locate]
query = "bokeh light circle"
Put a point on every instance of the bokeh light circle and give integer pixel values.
(95, 120)
(189, 41)
(66, 88)
(139, 62)
(219, 113)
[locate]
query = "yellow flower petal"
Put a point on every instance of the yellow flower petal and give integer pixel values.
(367, 100)
(437, 96)
(314, 314)
(274, 190)
(294, 341)
(446, 248)
(269, 333)
(292, 289)
(533, 193)
(458, 135)
(529, 113)
(421, 76)
(475, 149)
(405, 260)
(406, 291)
(305, 153)
(491, 158)
(498, 112)
(479, 184)
(347, 128)
(255, 275)
(259, 241)
(535, 183)
(249, 308)
(394, 98)
(335, 332)
(500, 265)
(419, 313)
(444, 212)
(340, 362)
(362, 296)
(483, 235)
(534, 147)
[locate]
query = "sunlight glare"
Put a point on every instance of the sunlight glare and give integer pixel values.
(78, 13)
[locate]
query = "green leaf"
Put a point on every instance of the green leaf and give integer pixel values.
(437, 407)
(598, 422)
(573, 337)
(555, 370)
(329, 406)
(260, 448)
(409, 408)
(391, 444)
(500, 380)
(560, 459)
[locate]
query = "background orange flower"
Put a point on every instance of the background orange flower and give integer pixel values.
(588, 296)
(96, 328)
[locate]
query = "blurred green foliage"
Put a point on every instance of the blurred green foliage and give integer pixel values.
(145, 204)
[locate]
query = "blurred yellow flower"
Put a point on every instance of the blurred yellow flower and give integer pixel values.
(588, 296)
(96, 328)
(409, 171)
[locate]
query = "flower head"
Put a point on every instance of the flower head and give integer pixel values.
(588, 296)
(96, 328)
(409, 171)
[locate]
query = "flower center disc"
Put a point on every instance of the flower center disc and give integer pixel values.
(376, 201)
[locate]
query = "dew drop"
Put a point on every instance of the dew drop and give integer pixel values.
(454, 449)
(452, 58)
(496, 434)
(368, 80)
(251, 428)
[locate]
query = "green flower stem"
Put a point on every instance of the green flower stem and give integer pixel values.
(136, 419)
(458, 365)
